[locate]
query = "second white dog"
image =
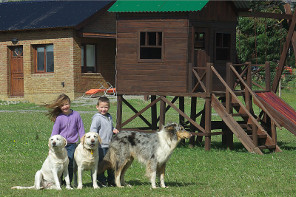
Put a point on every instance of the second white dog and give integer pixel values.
(86, 157)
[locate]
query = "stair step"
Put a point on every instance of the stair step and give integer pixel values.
(261, 147)
(235, 104)
(260, 136)
(240, 115)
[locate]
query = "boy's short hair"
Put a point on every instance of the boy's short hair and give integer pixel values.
(103, 99)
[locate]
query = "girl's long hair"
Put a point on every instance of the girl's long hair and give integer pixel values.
(54, 108)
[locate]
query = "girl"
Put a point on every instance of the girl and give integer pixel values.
(67, 123)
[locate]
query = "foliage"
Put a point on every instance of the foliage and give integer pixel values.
(261, 39)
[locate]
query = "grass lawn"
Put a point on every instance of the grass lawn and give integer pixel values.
(25, 130)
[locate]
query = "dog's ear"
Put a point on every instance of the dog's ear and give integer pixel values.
(65, 141)
(49, 144)
(99, 139)
(170, 127)
(82, 139)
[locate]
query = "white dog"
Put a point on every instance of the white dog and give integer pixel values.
(53, 167)
(86, 157)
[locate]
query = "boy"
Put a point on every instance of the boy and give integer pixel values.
(103, 125)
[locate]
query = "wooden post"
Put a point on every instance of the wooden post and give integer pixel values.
(283, 57)
(162, 114)
(227, 137)
(267, 76)
(119, 112)
(273, 133)
(254, 134)
(153, 114)
(181, 107)
(248, 99)
(193, 117)
(208, 108)
(181, 118)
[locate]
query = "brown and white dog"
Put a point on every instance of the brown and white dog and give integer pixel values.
(152, 149)
(86, 157)
(56, 164)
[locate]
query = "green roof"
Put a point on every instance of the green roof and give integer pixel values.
(157, 6)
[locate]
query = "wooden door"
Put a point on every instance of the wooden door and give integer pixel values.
(201, 51)
(16, 71)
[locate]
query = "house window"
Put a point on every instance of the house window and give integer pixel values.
(199, 40)
(223, 42)
(151, 45)
(88, 58)
(43, 55)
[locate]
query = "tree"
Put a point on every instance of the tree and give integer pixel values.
(261, 39)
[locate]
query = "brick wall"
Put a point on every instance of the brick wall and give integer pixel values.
(45, 87)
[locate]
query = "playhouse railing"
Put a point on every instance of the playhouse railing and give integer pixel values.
(232, 77)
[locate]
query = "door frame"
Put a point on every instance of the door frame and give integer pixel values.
(16, 74)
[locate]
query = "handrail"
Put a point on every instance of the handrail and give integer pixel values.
(237, 100)
(254, 96)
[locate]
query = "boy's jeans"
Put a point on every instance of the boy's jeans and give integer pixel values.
(101, 177)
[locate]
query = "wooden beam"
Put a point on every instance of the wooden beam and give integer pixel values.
(99, 35)
(288, 10)
(265, 15)
(140, 112)
(136, 111)
(183, 114)
(284, 54)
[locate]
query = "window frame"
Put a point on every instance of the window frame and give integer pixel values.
(35, 56)
(84, 66)
(146, 45)
(222, 47)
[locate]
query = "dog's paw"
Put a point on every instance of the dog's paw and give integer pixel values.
(79, 187)
(96, 187)
(128, 185)
(69, 187)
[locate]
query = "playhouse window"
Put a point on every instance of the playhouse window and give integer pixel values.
(43, 55)
(199, 40)
(150, 45)
(88, 58)
(223, 42)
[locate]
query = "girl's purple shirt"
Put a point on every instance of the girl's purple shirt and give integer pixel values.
(69, 126)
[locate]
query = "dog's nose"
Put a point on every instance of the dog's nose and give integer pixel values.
(54, 143)
(92, 140)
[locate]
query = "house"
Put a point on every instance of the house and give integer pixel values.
(175, 49)
(159, 42)
(53, 47)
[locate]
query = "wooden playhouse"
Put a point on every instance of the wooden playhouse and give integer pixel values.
(177, 49)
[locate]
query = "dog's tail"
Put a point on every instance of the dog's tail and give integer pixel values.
(22, 187)
(107, 162)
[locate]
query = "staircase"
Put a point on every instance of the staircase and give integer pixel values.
(246, 127)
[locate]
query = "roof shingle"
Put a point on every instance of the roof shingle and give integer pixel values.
(25, 15)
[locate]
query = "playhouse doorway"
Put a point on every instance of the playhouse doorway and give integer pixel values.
(16, 71)
(201, 51)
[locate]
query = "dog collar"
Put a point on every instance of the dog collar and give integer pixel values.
(92, 151)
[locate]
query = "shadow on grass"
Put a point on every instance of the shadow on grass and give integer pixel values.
(148, 184)
(167, 183)
(239, 148)
(284, 146)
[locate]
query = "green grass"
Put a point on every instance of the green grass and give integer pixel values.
(190, 171)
